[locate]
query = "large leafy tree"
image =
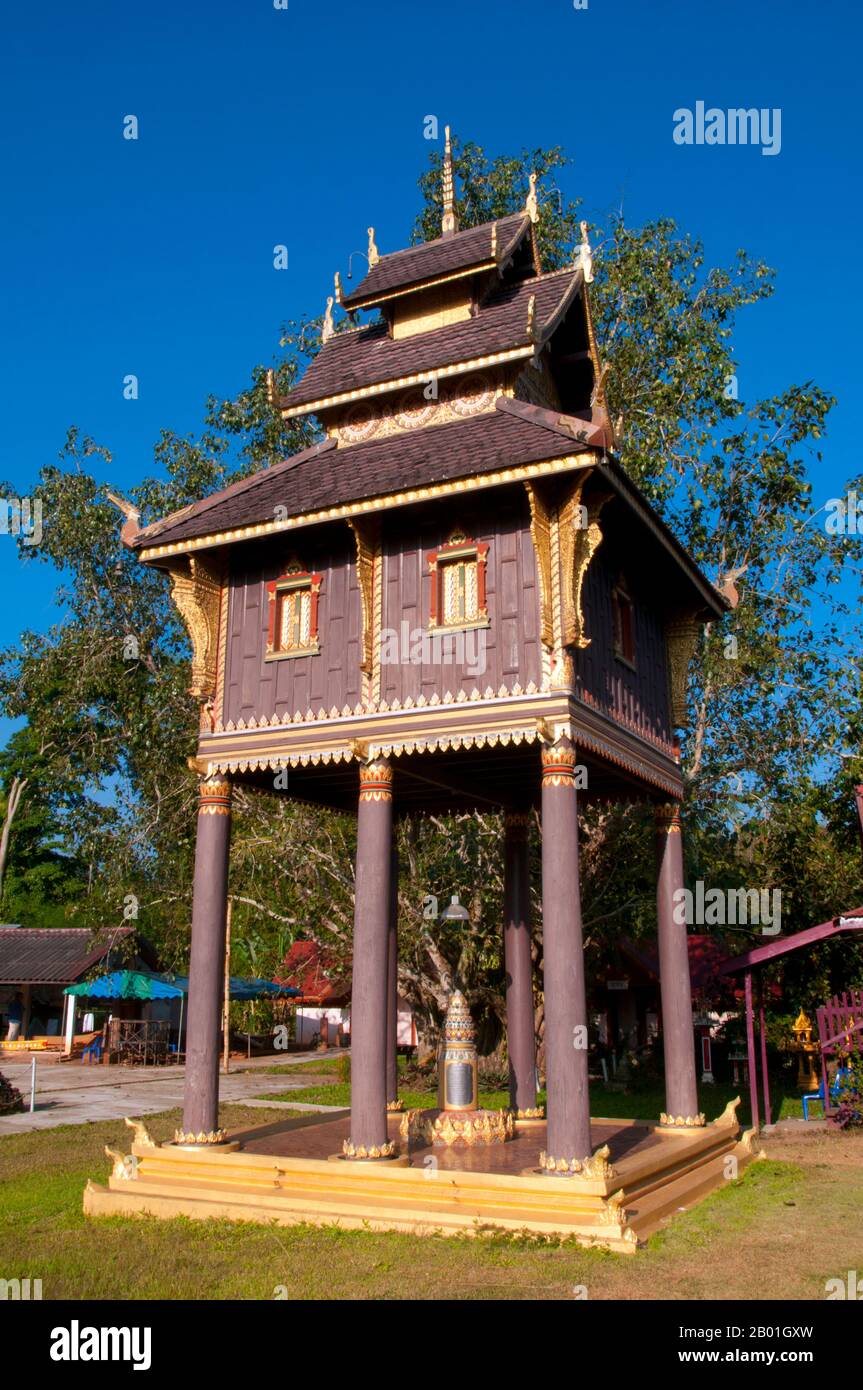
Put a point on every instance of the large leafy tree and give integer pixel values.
(110, 724)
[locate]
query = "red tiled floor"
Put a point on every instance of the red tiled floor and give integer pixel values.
(324, 1138)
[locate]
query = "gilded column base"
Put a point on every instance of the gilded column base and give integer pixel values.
(215, 1139)
(359, 1152)
(536, 1113)
(444, 1128)
(595, 1166)
(395, 1107)
(682, 1121)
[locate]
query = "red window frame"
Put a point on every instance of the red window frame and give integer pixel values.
(461, 549)
(293, 580)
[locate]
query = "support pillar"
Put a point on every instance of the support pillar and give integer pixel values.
(206, 965)
(393, 1102)
(520, 1037)
(681, 1091)
(372, 913)
(568, 1106)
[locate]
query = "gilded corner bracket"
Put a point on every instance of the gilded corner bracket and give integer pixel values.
(367, 536)
(196, 588)
(580, 538)
(681, 640)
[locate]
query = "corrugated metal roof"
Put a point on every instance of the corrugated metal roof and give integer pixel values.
(52, 955)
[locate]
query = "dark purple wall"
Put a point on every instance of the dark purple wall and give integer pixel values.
(261, 688)
(257, 688)
(512, 647)
(639, 696)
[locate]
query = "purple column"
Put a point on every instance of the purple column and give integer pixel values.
(520, 1035)
(765, 1079)
(750, 1049)
(393, 985)
(372, 909)
(568, 1106)
(207, 962)
(681, 1091)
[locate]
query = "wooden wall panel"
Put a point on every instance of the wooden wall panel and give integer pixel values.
(510, 652)
(638, 698)
(255, 688)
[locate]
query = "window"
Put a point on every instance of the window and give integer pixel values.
(623, 619)
(458, 584)
(292, 628)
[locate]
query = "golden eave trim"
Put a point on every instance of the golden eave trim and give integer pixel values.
(380, 388)
(429, 492)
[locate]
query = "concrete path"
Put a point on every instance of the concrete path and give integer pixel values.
(74, 1093)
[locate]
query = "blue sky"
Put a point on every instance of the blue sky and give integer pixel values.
(302, 126)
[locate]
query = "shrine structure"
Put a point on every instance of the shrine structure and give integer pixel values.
(458, 598)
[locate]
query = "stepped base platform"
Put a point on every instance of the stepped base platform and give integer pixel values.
(292, 1172)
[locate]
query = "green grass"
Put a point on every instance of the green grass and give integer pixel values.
(645, 1104)
(778, 1232)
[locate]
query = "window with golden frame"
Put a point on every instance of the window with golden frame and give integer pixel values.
(292, 628)
(458, 588)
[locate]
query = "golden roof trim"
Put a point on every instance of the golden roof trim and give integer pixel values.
(341, 512)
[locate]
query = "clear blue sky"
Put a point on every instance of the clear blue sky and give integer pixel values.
(303, 126)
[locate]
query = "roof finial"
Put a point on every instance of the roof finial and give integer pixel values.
(374, 253)
(329, 327)
(531, 207)
(449, 222)
(585, 255)
(338, 284)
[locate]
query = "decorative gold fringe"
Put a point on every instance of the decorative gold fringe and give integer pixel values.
(352, 1150)
(596, 1166)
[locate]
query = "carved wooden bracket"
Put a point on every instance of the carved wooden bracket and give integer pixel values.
(543, 518)
(367, 535)
(681, 638)
(565, 534)
(197, 594)
(580, 537)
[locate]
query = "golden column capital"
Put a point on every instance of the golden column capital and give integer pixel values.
(376, 780)
(558, 764)
(214, 796)
(666, 818)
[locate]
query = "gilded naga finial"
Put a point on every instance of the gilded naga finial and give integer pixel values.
(449, 221)
(531, 206)
(329, 328)
(531, 317)
(374, 253)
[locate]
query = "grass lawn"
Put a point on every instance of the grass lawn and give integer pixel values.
(789, 1224)
(637, 1105)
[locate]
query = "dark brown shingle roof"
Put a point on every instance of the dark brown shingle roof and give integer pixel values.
(430, 261)
(51, 955)
(334, 476)
(356, 360)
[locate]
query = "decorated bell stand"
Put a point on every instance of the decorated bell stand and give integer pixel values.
(465, 485)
